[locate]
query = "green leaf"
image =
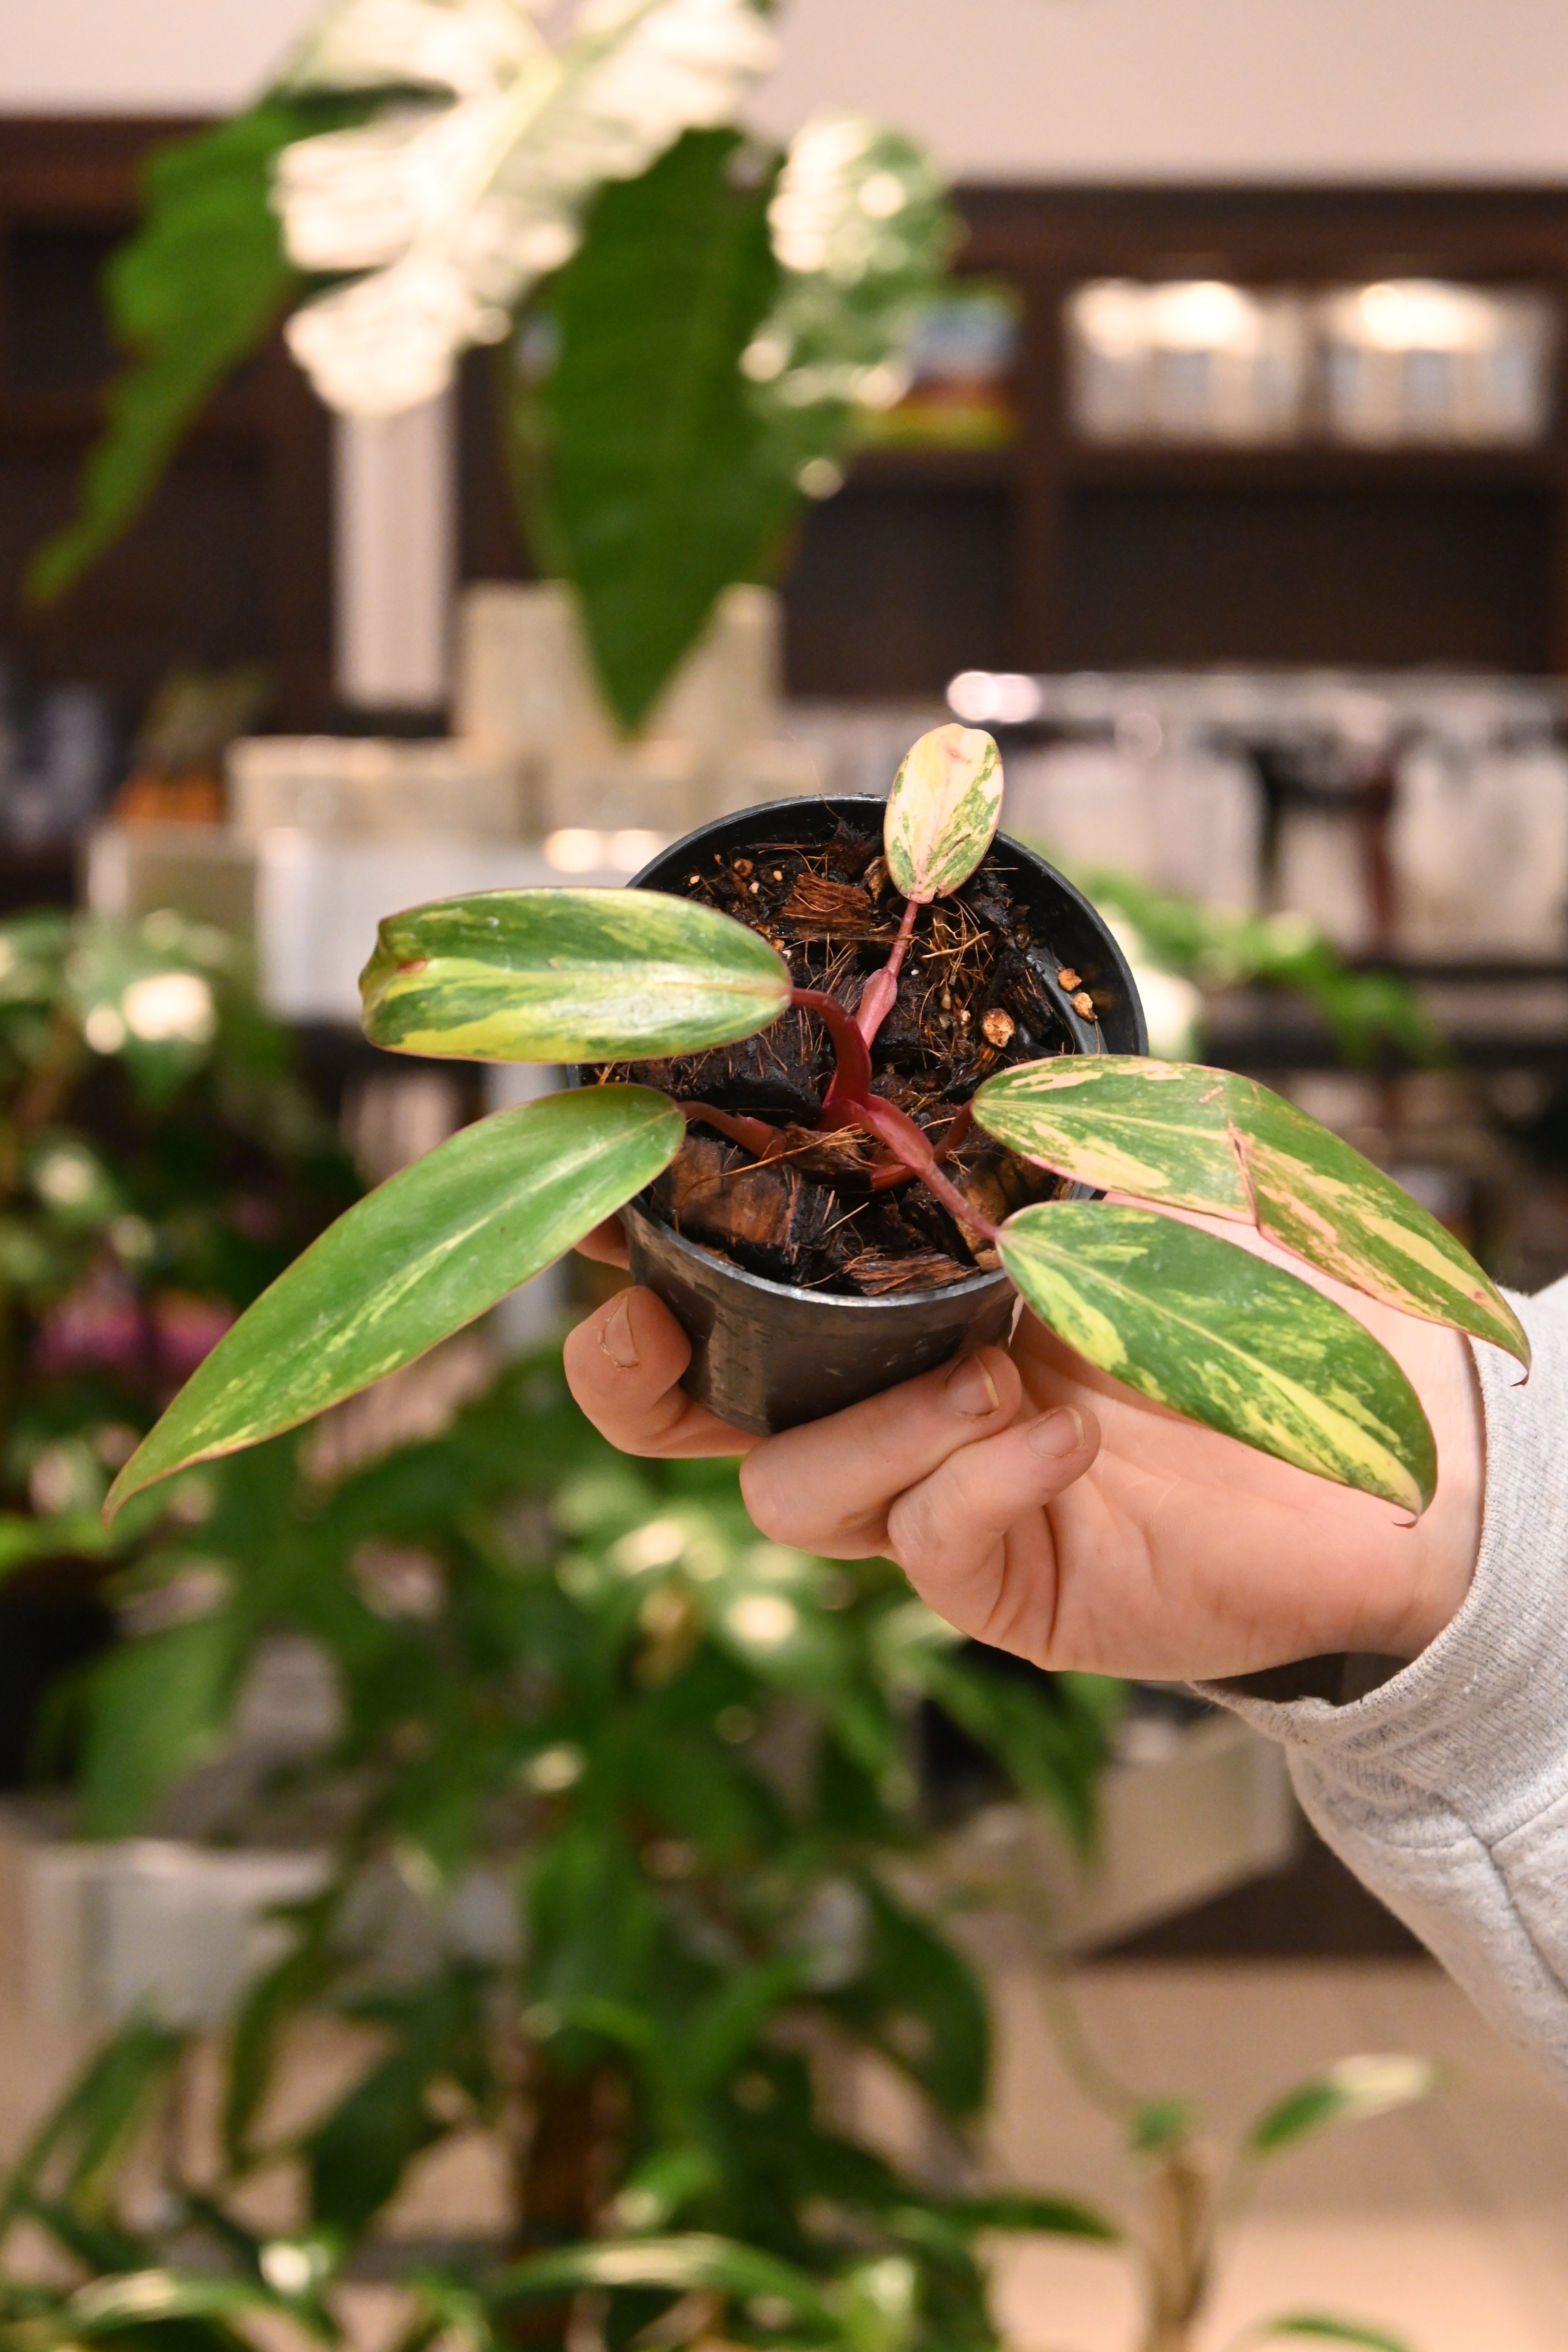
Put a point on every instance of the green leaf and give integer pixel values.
(943, 811)
(1225, 1337)
(1322, 2328)
(157, 1709)
(426, 1252)
(567, 976)
(1161, 2124)
(100, 2116)
(918, 1999)
(1188, 1138)
(685, 2264)
(358, 2155)
(1352, 2090)
(1058, 2217)
(194, 291)
(663, 481)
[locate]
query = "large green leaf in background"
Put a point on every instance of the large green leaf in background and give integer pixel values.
(1191, 1137)
(1225, 1337)
(567, 976)
(196, 291)
(426, 1252)
(662, 481)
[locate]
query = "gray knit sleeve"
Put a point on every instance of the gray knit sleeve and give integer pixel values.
(1445, 1788)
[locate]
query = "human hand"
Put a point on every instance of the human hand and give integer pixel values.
(1040, 1506)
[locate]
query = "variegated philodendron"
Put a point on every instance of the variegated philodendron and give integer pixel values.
(1187, 1319)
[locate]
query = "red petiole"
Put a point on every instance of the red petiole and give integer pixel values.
(883, 987)
(851, 1103)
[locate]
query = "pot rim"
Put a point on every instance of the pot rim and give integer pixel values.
(859, 800)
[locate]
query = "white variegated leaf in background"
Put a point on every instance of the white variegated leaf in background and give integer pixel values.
(456, 209)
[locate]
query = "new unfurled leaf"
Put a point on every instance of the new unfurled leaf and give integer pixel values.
(1225, 1337)
(1351, 2091)
(426, 1252)
(1189, 1137)
(943, 811)
(567, 976)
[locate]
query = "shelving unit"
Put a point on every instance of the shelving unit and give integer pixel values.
(1057, 554)
(232, 560)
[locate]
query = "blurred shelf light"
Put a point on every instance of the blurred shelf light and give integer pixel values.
(1414, 359)
(1185, 360)
(576, 849)
(1395, 360)
(1005, 696)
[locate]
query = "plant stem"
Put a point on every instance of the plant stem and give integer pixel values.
(883, 987)
(851, 1103)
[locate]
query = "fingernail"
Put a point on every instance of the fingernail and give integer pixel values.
(971, 1390)
(616, 1339)
(1055, 1435)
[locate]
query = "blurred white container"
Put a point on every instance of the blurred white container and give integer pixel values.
(1185, 821)
(1415, 359)
(345, 784)
(526, 691)
(1189, 360)
(1480, 847)
(152, 1927)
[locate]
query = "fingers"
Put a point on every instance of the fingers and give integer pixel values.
(622, 1366)
(827, 1486)
(606, 1243)
(973, 1537)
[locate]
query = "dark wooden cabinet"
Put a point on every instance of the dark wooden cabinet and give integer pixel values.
(1051, 553)
(232, 559)
(1060, 553)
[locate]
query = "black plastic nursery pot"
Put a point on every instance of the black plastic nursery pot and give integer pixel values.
(767, 1356)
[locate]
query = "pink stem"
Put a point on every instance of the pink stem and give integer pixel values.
(852, 1079)
(883, 987)
(753, 1135)
(914, 1147)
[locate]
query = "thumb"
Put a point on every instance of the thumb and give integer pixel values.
(973, 1538)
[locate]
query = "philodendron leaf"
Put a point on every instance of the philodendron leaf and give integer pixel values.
(943, 811)
(567, 976)
(1188, 1138)
(420, 1257)
(1351, 2091)
(1225, 1337)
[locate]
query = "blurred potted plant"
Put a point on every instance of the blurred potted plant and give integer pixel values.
(622, 1804)
(615, 1796)
(689, 325)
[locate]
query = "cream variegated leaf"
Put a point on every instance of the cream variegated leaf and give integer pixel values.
(456, 209)
(1226, 1338)
(567, 976)
(1189, 1137)
(943, 811)
(426, 1252)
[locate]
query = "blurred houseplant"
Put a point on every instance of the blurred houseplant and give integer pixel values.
(622, 1822)
(688, 324)
(618, 1804)
(159, 1165)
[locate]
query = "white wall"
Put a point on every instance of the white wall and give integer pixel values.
(1091, 89)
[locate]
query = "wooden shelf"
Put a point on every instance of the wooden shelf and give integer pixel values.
(1168, 465)
(935, 468)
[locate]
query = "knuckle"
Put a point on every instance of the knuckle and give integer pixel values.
(769, 1498)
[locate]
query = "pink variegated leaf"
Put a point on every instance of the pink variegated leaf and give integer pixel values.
(943, 811)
